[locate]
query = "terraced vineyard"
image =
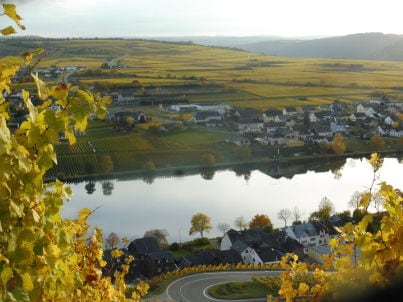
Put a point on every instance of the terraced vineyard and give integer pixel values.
(240, 78)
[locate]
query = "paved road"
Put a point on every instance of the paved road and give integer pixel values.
(194, 288)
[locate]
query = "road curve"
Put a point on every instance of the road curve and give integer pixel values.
(194, 288)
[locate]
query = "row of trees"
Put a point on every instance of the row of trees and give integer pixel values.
(201, 223)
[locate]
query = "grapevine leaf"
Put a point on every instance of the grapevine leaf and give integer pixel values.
(10, 11)
(84, 214)
(7, 31)
(27, 284)
(363, 224)
(5, 144)
(365, 199)
(29, 54)
(43, 91)
(6, 275)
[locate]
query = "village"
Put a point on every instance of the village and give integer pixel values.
(286, 127)
(254, 246)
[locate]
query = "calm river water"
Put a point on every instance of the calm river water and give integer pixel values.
(135, 206)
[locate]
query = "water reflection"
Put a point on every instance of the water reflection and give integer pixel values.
(135, 204)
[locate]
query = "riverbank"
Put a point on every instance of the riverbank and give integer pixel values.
(275, 167)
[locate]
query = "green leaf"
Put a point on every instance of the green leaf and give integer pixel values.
(16, 210)
(5, 275)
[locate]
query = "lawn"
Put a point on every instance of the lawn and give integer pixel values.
(196, 137)
(241, 290)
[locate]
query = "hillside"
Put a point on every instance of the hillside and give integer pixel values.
(183, 72)
(365, 46)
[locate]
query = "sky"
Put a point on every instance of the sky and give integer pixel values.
(151, 18)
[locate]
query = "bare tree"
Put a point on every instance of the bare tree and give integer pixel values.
(296, 214)
(241, 223)
(284, 214)
(355, 200)
(223, 227)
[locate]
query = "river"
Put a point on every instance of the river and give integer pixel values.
(135, 206)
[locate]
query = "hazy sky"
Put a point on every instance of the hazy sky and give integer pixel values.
(142, 18)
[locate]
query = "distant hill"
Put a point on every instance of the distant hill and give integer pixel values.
(221, 41)
(367, 46)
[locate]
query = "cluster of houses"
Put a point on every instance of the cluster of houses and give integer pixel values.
(297, 126)
(251, 246)
(51, 72)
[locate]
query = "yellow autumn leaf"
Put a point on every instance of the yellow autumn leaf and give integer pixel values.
(363, 224)
(84, 214)
(303, 289)
(43, 91)
(27, 284)
(10, 11)
(116, 253)
(8, 31)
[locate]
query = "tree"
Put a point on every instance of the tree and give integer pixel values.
(307, 121)
(244, 153)
(112, 241)
(355, 200)
(296, 214)
(261, 221)
(160, 235)
(106, 163)
(90, 187)
(324, 147)
(149, 166)
(284, 214)
(223, 227)
(240, 223)
(107, 187)
(207, 159)
(200, 223)
(338, 145)
(44, 257)
(326, 209)
(378, 142)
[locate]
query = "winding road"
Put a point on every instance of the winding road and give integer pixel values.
(194, 288)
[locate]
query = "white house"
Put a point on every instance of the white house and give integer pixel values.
(250, 126)
(220, 108)
(396, 132)
(311, 234)
(257, 247)
(184, 108)
(368, 111)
